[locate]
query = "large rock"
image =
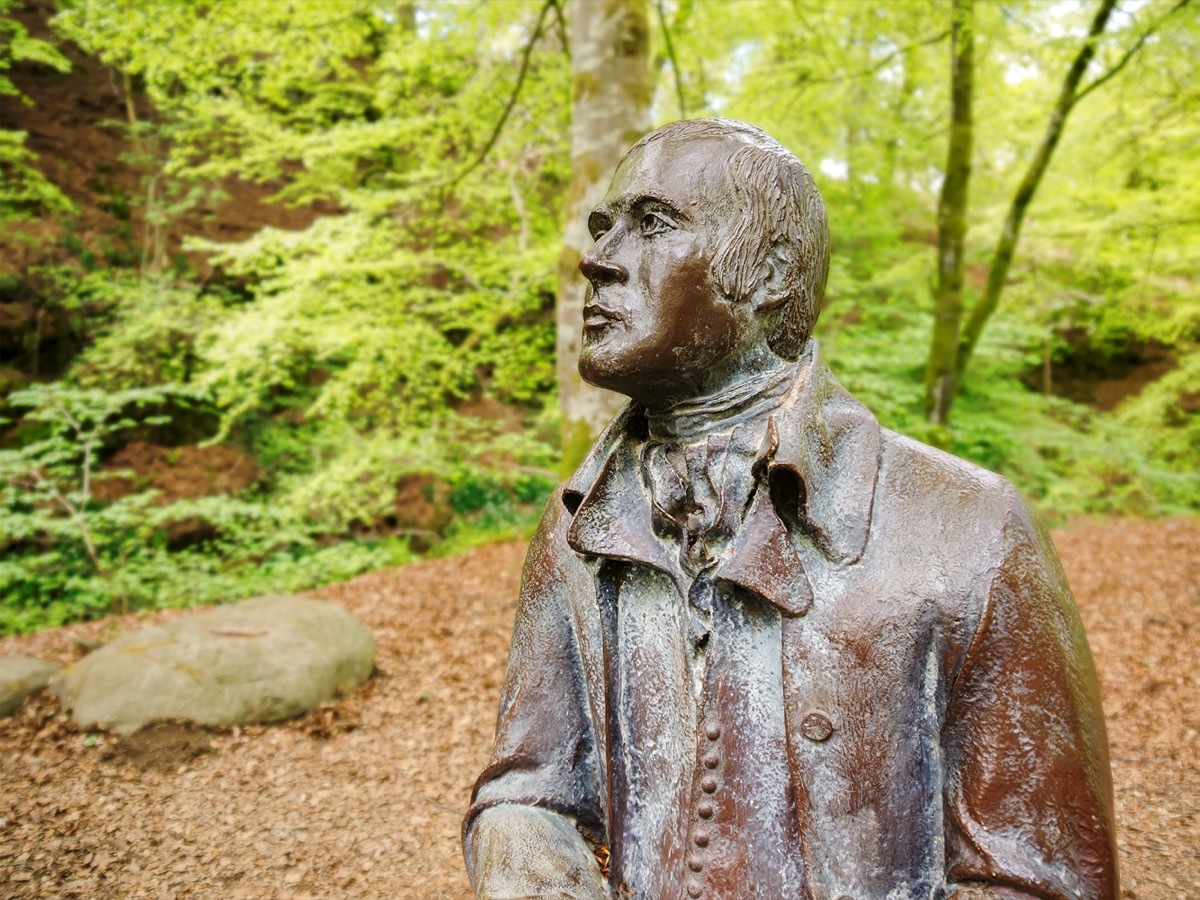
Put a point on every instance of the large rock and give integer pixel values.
(21, 676)
(256, 661)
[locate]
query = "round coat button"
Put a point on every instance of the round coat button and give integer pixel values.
(816, 726)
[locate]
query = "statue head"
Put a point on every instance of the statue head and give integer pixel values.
(709, 264)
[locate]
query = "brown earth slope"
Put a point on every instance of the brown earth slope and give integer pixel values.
(364, 798)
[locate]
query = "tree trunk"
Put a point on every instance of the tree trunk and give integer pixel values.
(1007, 245)
(940, 370)
(610, 61)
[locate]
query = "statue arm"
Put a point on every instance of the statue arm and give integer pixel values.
(517, 851)
(522, 835)
(1029, 810)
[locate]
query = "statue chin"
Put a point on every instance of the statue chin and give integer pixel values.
(591, 373)
(601, 367)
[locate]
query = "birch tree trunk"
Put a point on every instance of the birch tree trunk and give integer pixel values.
(612, 82)
(941, 368)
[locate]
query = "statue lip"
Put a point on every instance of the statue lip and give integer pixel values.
(597, 316)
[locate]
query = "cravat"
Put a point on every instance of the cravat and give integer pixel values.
(700, 491)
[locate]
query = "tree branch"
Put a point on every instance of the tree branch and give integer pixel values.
(883, 63)
(73, 512)
(666, 31)
(562, 27)
(526, 54)
(1131, 52)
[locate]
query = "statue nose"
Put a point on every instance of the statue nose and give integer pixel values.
(600, 270)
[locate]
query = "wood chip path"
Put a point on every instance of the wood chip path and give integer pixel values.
(363, 798)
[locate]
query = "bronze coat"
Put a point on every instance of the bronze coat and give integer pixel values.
(944, 729)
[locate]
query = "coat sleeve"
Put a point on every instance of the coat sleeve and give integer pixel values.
(524, 833)
(1029, 810)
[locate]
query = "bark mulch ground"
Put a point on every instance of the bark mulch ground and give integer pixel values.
(363, 798)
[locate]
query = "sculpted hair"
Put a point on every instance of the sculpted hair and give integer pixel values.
(778, 207)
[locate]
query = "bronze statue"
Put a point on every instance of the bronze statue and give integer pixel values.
(766, 648)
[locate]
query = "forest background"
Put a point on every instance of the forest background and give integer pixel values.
(284, 283)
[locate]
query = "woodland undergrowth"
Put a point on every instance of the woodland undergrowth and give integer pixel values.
(400, 335)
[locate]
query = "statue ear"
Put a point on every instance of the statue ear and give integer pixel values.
(772, 288)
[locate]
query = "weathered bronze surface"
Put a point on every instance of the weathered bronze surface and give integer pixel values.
(766, 648)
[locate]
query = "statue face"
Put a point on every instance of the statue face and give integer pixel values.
(656, 327)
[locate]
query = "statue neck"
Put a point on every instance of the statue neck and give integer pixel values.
(749, 400)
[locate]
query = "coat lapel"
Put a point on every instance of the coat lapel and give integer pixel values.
(823, 438)
(612, 515)
(765, 562)
(831, 443)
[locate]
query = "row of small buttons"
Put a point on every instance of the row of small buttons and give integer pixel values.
(816, 726)
(705, 810)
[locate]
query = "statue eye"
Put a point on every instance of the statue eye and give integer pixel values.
(653, 223)
(598, 225)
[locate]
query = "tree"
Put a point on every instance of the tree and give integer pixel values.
(610, 109)
(1006, 247)
(941, 369)
(23, 188)
(430, 137)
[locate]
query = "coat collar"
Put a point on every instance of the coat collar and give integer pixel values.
(821, 439)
